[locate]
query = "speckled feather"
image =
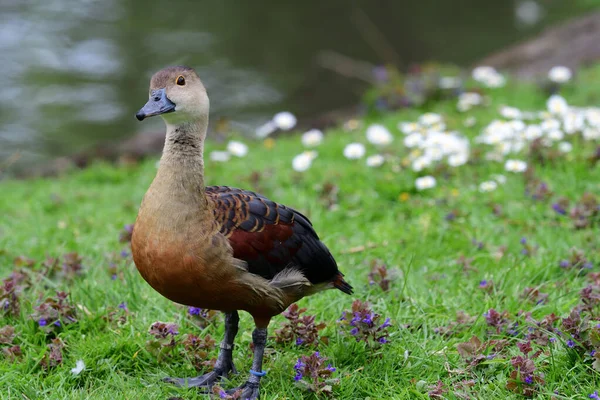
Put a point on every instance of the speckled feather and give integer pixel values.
(270, 237)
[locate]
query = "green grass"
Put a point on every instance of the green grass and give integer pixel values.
(84, 212)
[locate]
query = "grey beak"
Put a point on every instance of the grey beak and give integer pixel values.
(156, 105)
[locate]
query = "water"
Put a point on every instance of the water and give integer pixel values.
(75, 72)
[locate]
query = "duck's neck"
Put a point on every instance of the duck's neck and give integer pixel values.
(181, 168)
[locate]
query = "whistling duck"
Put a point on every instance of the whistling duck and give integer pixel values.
(218, 247)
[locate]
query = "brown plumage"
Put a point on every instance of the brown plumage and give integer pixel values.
(218, 247)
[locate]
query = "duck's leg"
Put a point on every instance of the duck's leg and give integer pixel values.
(224, 364)
(250, 389)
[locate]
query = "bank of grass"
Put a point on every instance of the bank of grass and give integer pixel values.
(378, 216)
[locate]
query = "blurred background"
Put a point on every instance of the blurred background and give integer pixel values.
(75, 72)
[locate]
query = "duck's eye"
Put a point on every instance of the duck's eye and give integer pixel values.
(180, 80)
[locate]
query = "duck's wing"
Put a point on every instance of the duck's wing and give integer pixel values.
(270, 237)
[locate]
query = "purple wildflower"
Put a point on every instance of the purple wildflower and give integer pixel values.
(592, 353)
(124, 253)
(559, 209)
(299, 341)
(523, 240)
(113, 277)
(172, 329)
(222, 394)
(330, 368)
(382, 340)
(564, 264)
(298, 376)
(42, 322)
(386, 323)
(57, 323)
(194, 310)
(594, 395)
(529, 380)
(570, 343)
(552, 340)
(123, 306)
(354, 331)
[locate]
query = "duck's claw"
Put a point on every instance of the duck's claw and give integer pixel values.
(206, 380)
(247, 391)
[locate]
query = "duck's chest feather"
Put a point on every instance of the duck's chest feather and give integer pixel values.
(184, 259)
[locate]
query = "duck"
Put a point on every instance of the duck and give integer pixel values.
(220, 247)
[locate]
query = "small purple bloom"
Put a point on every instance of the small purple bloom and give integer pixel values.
(382, 340)
(354, 331)
(552, 340)
(57, 323)
(222, 394)
(385, 324)
(565, 264)
(528, 380)
(113, 277)
(298, 376)
(483, 283)
(123, 306)
(299, 341)
(42, 322)
(559, 209)
(570, 343)
(368, 319)
(592, 353)
(194, 310)
(594, 395)
(299, 365)
(523, 240)
(343, 317)
(491, 356)
(588, 265)
(124, 253)
(172, 329)
(525, 252)
(330, 368)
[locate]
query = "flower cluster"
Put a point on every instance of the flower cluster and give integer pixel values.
(576, 259)
(365, 324)
(313, 373)
(524, 379)
(299, 329)
(55, 313)
(10, 351)
(197, 350)
(164, 339)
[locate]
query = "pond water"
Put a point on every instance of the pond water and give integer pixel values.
(74, 72)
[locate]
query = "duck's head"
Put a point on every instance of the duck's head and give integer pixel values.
(176, 94)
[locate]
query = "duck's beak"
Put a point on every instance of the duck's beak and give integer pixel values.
(158, 104)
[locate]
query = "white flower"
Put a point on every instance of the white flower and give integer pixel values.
(501, 179)
(425, 182)
(557, 105)
(408, 127)
(429, 119)
(488, 76)
(303, 161)
(266, 129)
(219, 156)
(560, 74)
(533, 132)
(593, 117)
(515, 166)
(375, 160)
(379, 135)
(591, 134)
(79, 366)
(510, 112)
(517, 125)
(456, 160)
(550, 125)
(565, 147)
(312, 138)
(449, 82)
(420, 163)
(284, 120)
(573, 122)
(237, 149)
(413, 140)
(488, 186)
(467, 100)
(556, 135)
(470, 122)
(354, 151)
